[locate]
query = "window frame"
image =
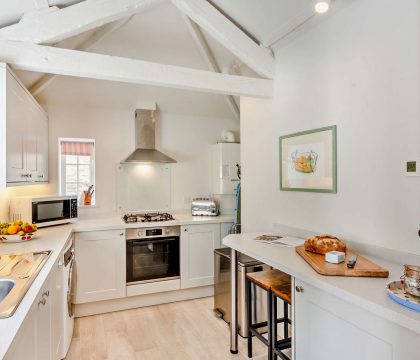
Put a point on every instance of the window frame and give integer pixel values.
(61, 166)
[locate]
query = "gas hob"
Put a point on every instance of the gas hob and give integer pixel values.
(147, 217)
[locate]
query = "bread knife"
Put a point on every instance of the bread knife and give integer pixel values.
(352, 262)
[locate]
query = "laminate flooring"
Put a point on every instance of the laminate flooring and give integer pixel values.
(186, 330)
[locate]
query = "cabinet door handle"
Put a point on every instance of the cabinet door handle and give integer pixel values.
(299, 288)
(42, 302)
(185, 229)
(46, 293)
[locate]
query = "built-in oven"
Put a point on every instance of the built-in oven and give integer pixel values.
(153, 255)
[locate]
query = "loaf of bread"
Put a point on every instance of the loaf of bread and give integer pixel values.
(321, 244)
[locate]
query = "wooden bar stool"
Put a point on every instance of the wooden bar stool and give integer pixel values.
(266, 280)
(281, 289)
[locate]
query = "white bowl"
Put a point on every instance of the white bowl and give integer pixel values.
(17, 238)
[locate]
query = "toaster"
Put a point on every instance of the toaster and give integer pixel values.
(204, 207)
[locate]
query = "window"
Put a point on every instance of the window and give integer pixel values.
(77, 167)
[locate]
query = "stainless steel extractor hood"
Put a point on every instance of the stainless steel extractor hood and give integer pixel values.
(146, 152)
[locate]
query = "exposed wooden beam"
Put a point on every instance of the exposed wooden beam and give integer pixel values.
(51, 60)
(210, 60)
(86, 45)
(41, 4)
(229, 35)
(55, 26)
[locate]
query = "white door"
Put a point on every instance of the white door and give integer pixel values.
(33, 132)
(329, 328)
(57, 308)
(16, 131)
(42, 147)
(225, 229)
(24, 345)
(197, 245)
(44, 331)
(100, 263)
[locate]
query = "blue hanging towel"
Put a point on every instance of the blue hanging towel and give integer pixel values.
(237, 212)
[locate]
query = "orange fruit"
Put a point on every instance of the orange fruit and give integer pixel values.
(12, 230)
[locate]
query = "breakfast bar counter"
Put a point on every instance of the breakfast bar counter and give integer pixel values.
(358, 295)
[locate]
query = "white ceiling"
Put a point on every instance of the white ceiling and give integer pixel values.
(267, 20)
(160, 34)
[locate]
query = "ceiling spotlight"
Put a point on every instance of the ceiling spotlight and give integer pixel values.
(322, 7)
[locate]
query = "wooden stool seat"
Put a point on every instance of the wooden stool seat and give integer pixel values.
(277, 284)
(283, 288)
(270, 279)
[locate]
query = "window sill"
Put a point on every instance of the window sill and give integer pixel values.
(87, 206)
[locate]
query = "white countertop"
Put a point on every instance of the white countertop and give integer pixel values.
(55, 239)
(115, 222)
(368, 293)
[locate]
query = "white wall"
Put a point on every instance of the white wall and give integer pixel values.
(187, 139)
(358, 70)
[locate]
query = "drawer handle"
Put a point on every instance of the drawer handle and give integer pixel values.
(42, 302)
(299, 288)
(46, 293)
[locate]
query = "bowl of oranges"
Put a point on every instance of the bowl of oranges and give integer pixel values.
(18, 231)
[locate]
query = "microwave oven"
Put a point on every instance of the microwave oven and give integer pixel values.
(44, 210)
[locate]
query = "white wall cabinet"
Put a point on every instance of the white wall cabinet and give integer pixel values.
(197, 245)
(328, 328)
(225, 158)
(23, 134)
(100, 263)
(39, 336)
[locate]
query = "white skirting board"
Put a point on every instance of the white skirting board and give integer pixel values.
(132, 302)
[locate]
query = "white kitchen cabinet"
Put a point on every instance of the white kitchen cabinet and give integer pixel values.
(41, 330)
(23, 134)
(225, 158)
(24, 345)
(197, 245)
(100, 263)
(329, 328)
(57, 308)
(225, 229)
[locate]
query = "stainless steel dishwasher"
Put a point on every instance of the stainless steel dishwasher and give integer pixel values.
(222, 297)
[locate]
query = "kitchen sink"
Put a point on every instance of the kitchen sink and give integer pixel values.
(6, 285)
(17, 273)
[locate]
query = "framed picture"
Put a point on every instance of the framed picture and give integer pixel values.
(308, 161)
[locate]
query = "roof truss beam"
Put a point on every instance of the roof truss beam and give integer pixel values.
(52, 27)
(229, 35)
(88, 44)
(210, 60)
(46, 59)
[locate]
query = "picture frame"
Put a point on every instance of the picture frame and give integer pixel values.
(308, 160)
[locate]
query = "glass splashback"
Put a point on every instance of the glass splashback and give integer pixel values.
(143, 187)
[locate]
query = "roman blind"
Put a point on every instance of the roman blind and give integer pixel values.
(81, 148)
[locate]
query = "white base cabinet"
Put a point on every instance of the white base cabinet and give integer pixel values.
(197, 245)
(100, 263)
(40, 334)
(329, 328)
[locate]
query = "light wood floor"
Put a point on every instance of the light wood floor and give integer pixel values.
(186, 330)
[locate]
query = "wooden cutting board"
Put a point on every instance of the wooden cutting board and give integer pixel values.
(363, 267)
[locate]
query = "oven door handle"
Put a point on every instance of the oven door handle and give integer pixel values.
(150, 241)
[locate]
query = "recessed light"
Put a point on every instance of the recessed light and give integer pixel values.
(322, 7)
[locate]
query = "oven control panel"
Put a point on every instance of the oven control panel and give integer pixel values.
(152, 232)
